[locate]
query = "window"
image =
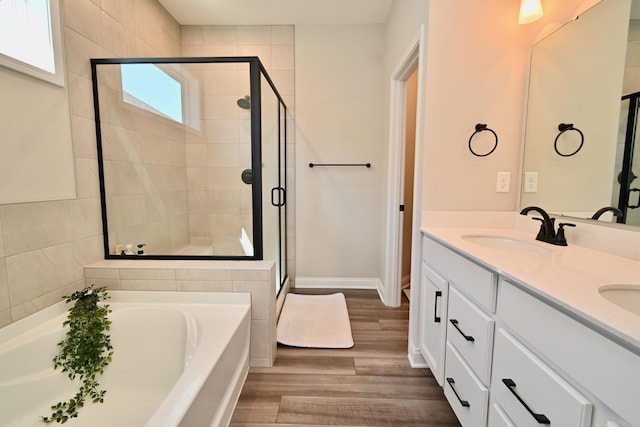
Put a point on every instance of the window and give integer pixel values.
(147, 86)
(30, 38)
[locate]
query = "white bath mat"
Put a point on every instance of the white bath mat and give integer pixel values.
(319, 321)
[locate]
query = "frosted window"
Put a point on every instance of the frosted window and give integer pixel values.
(147, 86)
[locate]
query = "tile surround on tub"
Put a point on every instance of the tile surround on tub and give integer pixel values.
(254, 277)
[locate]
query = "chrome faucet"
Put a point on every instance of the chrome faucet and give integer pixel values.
(547, 232)
(616, 212)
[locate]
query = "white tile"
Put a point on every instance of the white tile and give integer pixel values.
(101, 273)
(261, 339)
(89, 250)
(147, 274)
(5, 318)
(86, 218)
(251, 275)
(83, 17)
(192, 35)
(83, 132)
(32, 226)
(81, 95)
(282, 58)
(4, 286)
(254, 34)
(121, 11)
(220, 35)
(2, 252)
(212, 274)
(204, 286)
(262, 298)
(196, 155)
(148, 285)
(33, 274)
(282, 34)
(120, 42)
(79, 50)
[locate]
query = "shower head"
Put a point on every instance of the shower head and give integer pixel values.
(245, 103)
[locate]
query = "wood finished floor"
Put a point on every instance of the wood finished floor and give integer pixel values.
(370, 384)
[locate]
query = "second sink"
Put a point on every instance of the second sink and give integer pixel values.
(504, 243)
(624, 296)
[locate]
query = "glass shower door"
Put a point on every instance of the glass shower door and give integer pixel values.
(273, 192)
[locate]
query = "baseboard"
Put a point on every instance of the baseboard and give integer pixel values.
(416, 360)
(338, 282)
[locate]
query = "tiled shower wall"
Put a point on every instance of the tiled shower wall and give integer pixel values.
(44, 245)
(144, 159)
(219, 203)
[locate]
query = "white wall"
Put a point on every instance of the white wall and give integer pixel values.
(339, 119)
(476, 73)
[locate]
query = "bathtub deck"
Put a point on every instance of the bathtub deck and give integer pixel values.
(368, 385)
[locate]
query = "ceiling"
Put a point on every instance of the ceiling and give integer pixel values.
(278, 12)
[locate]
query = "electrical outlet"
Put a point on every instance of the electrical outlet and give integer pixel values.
(530, 182)
(503, 182)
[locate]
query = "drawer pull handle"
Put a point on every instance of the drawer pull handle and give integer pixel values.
(464, 403)
(540, 418)
(454, 322)
(436, 318)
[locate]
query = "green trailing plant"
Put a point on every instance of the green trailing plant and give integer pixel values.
(84, 352)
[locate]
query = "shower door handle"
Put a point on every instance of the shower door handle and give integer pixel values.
(637, 205)
(282, 196)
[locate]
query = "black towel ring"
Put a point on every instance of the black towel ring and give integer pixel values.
(479, 128)
(564, 127)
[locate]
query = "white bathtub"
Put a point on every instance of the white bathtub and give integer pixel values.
(180, 359)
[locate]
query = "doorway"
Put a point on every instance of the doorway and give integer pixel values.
(404, 165)
(408, 161)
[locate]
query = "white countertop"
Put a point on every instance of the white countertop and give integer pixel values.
(568, 276)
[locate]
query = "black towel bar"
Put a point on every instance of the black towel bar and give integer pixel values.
(312, 165)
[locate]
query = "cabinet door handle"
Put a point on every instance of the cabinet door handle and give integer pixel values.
(464, 403)
(454, 322)
(540, 418)
(436, 318)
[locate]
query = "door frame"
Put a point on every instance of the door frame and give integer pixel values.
(412, 59)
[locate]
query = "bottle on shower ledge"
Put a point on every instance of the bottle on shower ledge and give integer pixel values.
(140, 250)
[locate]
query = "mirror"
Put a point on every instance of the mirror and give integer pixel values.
(577, 76)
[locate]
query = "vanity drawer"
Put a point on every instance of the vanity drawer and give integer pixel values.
(475, 281)
(468, 397)
(616, 378)
(470, 331)
(529, 392)
(498, 418)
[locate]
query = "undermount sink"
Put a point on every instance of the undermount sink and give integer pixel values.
(624, 296)
(504, 243)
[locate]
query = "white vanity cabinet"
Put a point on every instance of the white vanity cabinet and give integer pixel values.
(512, 356)
(433, 294)
(456, 328)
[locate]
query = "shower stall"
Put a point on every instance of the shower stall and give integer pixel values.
(192, 159)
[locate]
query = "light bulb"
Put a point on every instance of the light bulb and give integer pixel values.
(530, 10)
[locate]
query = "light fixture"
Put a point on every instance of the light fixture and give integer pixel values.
(530, 10)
